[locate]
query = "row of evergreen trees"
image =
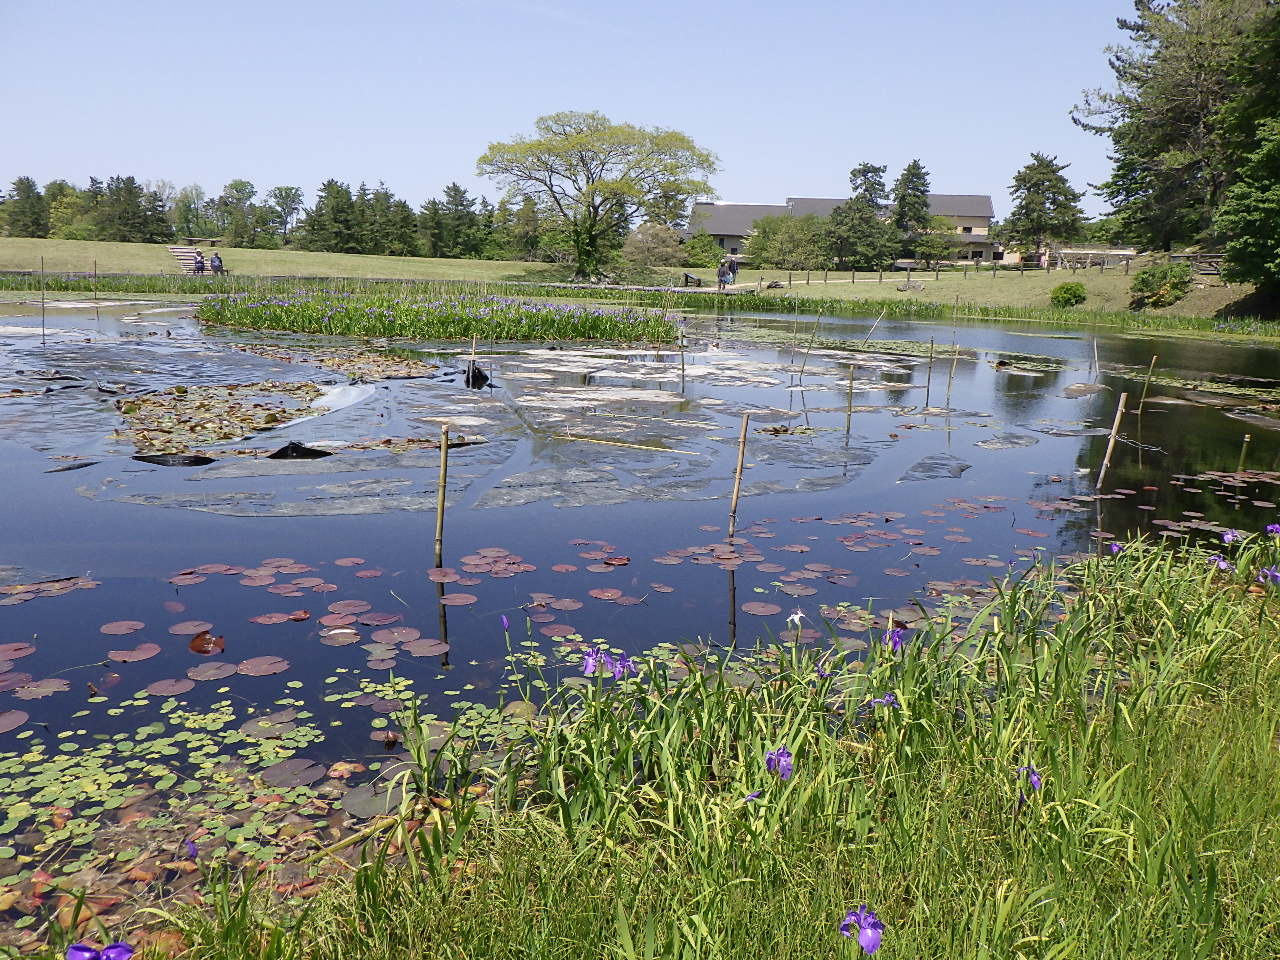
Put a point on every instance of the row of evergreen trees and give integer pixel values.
(373, 221)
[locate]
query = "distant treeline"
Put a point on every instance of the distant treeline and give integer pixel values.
(373, 221)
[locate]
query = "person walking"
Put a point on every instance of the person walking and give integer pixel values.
(733, 270)
(197, 265)
(722, 275)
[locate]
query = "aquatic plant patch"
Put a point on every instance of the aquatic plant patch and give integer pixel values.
(449, 316)
(177, 418)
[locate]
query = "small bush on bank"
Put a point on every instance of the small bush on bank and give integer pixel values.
(1160, 285)
(1069, 294)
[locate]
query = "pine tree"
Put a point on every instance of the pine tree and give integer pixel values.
(431, 229)
(858, 231)
(331, 224)
(911, 205)
(26, 211)
(1046, 209)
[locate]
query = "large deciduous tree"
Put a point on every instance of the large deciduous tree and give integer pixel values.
(594, 177)
(1046, 208)
(285, 204)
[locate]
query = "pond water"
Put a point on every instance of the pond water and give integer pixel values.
(873, 480)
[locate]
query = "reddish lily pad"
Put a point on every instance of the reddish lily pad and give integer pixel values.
(605, 593)
(121, 628)
(458, 599)
(557, 630)
(348, 561)
(337, 619)
(395, 635)
(257, 581)
(442, 575)
(263, 666)
(12, 719)
(564, 568)
(379, 619)
(269, 618)
(339, 636)
(11, 681)
(13, 651)
(566, 603)
(493, 552)
(759, 608)
(294, 772)
(350, 606)
(186, 579)
(369, 574)
(143, 651)
(189, 628)
(426, 647)
(213, 670)
(171, 688)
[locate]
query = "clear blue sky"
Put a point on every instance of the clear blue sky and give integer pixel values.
(790, 96)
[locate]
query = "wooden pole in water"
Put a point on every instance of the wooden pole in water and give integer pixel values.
(1146, 383)
(955, 355)
(874, 325)
(928, 387)
(1111, 440)
(42, 340)
(737, 475)
(1096, 370)
(440, 492)
(1244, 448)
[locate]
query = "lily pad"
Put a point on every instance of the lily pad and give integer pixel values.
(121, 628)
(12, 719)
(189, 628)
(294, 772)
(395, 635)
(759, 608)
(40, 689)
(143, 651)
(458, 599)
(171, 688)
(263, 666)
(12, 651)
(213, 670)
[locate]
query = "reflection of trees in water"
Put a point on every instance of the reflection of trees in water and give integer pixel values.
(1017, 397)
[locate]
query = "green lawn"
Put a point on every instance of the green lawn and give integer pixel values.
(1107, 290)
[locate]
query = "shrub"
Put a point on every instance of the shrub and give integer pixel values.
(1160, 285)
(1069, 294)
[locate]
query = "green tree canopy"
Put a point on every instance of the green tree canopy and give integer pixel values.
(859, 234)
(285, 204)
(701, 250)
(790, 243)
(594, 177)
(1046, 208)
(652, 245)
(1249, 218)
(26, 211)
(911, 205)
(1173, 79)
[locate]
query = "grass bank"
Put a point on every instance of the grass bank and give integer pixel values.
(1084, 768)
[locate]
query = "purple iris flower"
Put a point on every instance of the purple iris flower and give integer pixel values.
(112, 951)
(888, 700)
(591, 662)
(1269, 575)
(1273, 529)
(779, 762)
(190, 847)
(868, 926)
(506, 625)
(1220, 562)
(1034, 781)
(1231, 536)
(896, 638)
(1115, 547)
(620, 667)
(754, 795)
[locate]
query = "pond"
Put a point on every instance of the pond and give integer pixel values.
(150, 613)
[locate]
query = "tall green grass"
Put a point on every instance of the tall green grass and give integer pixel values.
(428, 314)
(637, 818)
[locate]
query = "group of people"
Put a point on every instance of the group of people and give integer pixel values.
(214, 264)
(726, 273)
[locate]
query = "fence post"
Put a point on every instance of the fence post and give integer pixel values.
(937, 271)
(853, 276)
(966, 271)
(788, 278)
(881, 280)
(806, 278)
(824, 276)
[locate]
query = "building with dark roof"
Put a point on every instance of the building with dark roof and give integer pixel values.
(731, 223)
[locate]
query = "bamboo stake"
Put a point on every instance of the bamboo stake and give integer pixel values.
(874, 325)
(440, 493)
(737, 475)
(1111, 441)
(805, 362)
(952, 375)
(928, 387)
(1096, 369)
(1147, 383)
(1244, 448)
(42, 339)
